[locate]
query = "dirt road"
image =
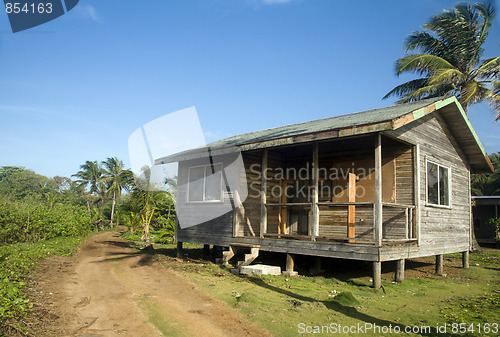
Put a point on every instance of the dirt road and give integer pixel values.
(107, 289)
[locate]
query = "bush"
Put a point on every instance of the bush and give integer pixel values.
(17, 261)
(29, 221)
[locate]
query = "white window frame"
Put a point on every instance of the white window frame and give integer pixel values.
(204, 184)
(427, 203)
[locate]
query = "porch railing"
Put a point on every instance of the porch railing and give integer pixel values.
(351, 222)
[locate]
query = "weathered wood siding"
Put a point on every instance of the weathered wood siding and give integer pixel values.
(192, 215)
(442, 230)
(247, 216)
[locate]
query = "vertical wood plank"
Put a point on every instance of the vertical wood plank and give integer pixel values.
(378, 192)
(263, 198)
(351, 209)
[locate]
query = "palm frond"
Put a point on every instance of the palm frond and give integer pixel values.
(490, 68)
(407, 87)
(425, 43)
(447, 76)
(423, 64)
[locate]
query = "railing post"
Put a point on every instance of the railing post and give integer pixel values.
(263, 198)
(378, 220)
(416, 192)
(314, 206)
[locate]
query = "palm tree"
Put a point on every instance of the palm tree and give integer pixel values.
(91, 176)
(116, 179)
(450, 59)
(488, 183)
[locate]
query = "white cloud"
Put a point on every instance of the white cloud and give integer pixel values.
(274, 2)
(88, 11)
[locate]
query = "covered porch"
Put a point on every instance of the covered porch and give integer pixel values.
(355, 190)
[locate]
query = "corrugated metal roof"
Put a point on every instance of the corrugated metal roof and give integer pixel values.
(331, 123)
(376, 120)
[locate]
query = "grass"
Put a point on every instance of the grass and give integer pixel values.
(310, 305)
(167, 325)
(17, 261)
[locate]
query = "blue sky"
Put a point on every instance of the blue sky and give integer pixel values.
(74, 89)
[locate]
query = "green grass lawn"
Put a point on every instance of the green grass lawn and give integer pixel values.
(309, 305)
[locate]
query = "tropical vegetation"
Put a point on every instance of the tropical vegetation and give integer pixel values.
(488, 183)
(449, 59)
(41, 216)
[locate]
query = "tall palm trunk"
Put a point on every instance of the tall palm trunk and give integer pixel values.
(113, 208)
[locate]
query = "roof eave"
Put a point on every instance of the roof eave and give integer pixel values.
(481, 165)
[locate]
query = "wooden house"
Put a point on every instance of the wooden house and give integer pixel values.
(380, 185)
(484, 209)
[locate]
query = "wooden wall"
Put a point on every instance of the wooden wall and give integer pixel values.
(192, 217)
(442, 230)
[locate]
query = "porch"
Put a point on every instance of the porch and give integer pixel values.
(359, 190)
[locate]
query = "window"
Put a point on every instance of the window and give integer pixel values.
(438, 184)
(205, 183)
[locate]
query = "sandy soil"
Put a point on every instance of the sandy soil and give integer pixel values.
(104, 288)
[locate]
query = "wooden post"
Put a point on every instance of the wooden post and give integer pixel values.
(351, 209)
(378, 220)
(400, 271)
(206, 250)
(439, 264)
(282, 209)
(416, 186)
(239, 214)
(263, 198)
(465, 259)
(314, 206)
(289, 263)
(289, 266)
(316, 267)
(377, 275)
(180, 250)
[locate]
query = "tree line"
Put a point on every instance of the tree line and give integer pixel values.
(101, 195)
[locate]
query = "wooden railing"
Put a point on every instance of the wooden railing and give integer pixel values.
(404, 220)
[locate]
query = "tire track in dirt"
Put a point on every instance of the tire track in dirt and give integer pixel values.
(108, 287)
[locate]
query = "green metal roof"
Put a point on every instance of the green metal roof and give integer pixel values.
(332, 123)
(376, 120)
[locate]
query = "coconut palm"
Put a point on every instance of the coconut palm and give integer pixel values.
(116, 179)
(90, 175)
(451, 48)
(487, 183)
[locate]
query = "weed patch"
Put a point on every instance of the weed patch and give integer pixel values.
(17, 261)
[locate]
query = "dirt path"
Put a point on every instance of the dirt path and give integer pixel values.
(107, 289)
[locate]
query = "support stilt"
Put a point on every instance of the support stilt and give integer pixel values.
(289, 266)
(180, 251)
(465, 259)
(439, 264)
(400, 271)
(377, 275)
